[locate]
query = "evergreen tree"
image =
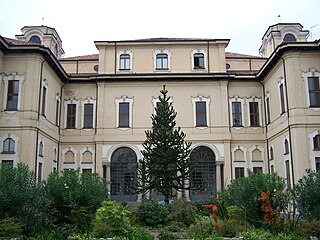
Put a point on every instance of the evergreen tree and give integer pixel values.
(166, 165)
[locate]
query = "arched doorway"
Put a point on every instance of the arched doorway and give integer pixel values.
(205, 170)
(123, 174)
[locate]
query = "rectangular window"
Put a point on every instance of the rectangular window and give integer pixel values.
(39, 172)
(88, 116)
(44, 96)
(288, 175)
(124, 62)
(87, 170)
(239, 172)
(201, 114)
(272, 169)
(13, 94)
(7, 162)
(317, 164)
(282, 105)
(257, 169)
(162, 61)
(198, 59)
(236, 114)
(123, 114)
(71, 115)
(254, 114)
(268, 110)
(57, 112)
(314, 91)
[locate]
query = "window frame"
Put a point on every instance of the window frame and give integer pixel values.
(9, 156)
(6, 80)
(314, 152)
(206, 100)
(268, 110)
(239, 163)
(257, 115)
(84, 115)
(44, 94)
(119, 61)
(236, 99)
(118, 101)
(11, 143)
(66, 103)
(282, 96)
(315, 74)
(168, 58)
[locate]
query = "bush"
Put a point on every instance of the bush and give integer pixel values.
(151, 213)
(182, 212)
(74, 197)
(112, 220)
(9, 227)
(308, 195)
(262, 234)
(312, 228)
(231, 228)
(243, 193)
(202, 228)
(165, 235)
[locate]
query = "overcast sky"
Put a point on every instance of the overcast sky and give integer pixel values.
(80, 23)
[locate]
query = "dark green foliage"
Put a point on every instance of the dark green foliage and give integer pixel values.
(202, 228)
(262, 234)
(243, 193)
(9, 227)
(312, 228)
(231, 228)
(151, 213)
(165, 235)
(21, 197)
(74, 197)
(308, 195)
(166, 165)
(183, 212)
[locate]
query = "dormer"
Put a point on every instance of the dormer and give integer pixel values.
(43, 35)
(281, 33)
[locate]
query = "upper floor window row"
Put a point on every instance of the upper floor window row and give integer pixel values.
(161, 60)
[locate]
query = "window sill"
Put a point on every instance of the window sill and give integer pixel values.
(124, 69)
(199, 68)
(69, 163)
(70, 129)
(315, 108)
(162, 69)
(237, 127)
(87, 129)
(13, 111)
(7, 152)
(201, 127)
(123, 128)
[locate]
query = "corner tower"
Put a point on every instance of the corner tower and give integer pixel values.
(43, 35)
(281, 33)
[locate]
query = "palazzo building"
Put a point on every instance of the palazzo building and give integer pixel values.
(91, 112)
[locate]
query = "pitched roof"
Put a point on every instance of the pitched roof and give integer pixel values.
(81, 58)
(239, 55)
(18, 42)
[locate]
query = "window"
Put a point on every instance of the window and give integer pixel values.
(7, 162)
(282, 95)
(268, 109)
(289, 38)
(254, 114)
(86, 170)
(316, 142)
(236, 114)
(35, 39)
(288, 173)
(198, 59)
(41, 149)
(201, 111)
(271, 153)
(71, 115)
(58, 112)
(124, 112)
(8, 146)
(272, 169)
(39, 172)
(317, 160)
(44, 97)
(88, 116)
(12, 92)
(257, 169)
(239, 172)
(162, 61)
(201, 114)
(286, 146)
(124, 62)
(124, 115)
(56, 51)
(314, 91)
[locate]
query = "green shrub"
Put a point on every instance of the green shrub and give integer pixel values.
(231, 228)
(74, 197)
(183, 212)
(308, 195)
(202, 228)
(151, 213)
(112, 220)
(165, 235)
(243, 193)
(263, 234)
(9, 227)
(312, 228)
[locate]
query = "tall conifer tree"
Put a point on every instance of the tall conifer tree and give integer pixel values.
(166, 166)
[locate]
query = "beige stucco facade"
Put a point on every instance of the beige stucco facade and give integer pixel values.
(50, 127)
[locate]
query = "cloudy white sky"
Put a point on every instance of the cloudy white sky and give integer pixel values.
(80, 23)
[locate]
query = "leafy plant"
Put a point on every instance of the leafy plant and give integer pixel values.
(183, 212)
(9, 227)
(311, 228)
(165, 235)
(152, 213)
(308, 195)
(202, 228)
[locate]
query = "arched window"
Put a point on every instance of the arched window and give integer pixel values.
(8, 146)
(316, 142)
(125, 62)
(198, 59)
(205, 171)
(271, 153)
(289, 38)
(35, 39)
(123, 174)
